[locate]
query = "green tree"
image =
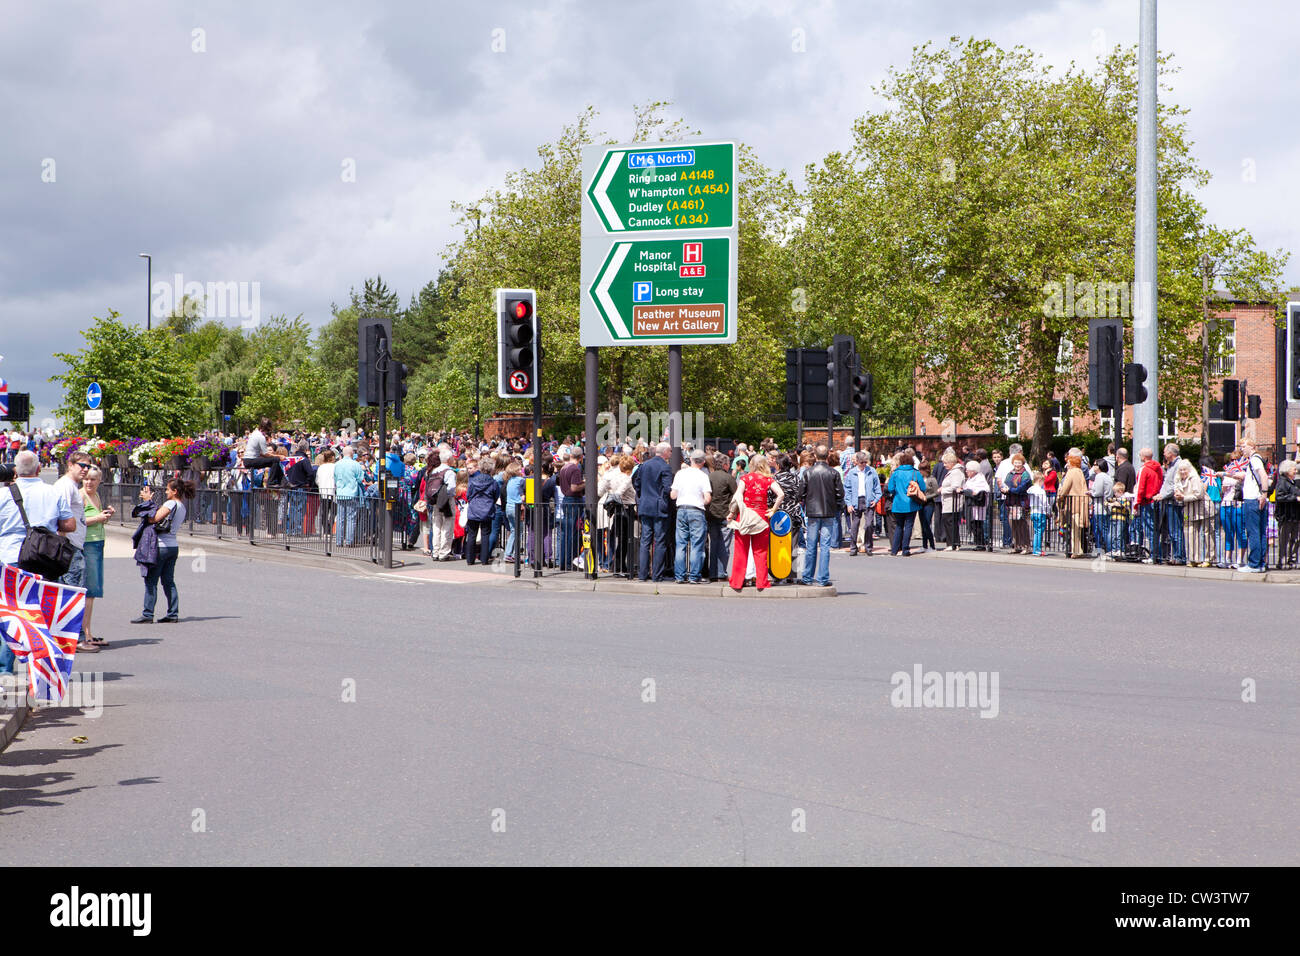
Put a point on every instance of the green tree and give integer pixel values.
(149, 390)
(988, 183)
(288, 396)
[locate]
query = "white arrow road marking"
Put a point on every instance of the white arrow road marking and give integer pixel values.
(602, 288)
(602, 199)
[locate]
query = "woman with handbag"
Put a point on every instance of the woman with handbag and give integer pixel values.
(976, 491)
(749, 506)
(164, 519)
(1018, 482)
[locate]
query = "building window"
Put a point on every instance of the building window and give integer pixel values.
(1106, 427)
(1008, 416)
(1168, 425)
(1223, 363)
(1062, 420)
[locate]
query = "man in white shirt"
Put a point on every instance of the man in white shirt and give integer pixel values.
(1254, 510)
(692, 492)
(69, 489)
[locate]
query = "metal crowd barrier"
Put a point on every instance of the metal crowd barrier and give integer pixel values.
(1200, 533)
(296, 519)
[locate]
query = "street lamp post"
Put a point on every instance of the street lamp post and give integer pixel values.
(148, 291)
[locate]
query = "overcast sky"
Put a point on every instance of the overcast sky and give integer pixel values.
(222, 153)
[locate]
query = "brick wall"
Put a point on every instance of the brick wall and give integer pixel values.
(1256, 351)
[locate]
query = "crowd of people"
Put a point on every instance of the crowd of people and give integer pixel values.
(460, 498)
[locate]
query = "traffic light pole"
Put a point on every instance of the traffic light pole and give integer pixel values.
(675, 405)
(591, 449)
(1279, 405)
(798, 391)
(386, 530)
(539, 522)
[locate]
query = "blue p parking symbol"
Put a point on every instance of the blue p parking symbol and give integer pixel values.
(642, 291)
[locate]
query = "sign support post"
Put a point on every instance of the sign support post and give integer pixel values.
(591, 449)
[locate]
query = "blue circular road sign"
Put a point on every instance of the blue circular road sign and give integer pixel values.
(94, 395)
(780, 524)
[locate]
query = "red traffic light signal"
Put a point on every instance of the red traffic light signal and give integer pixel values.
(517, 356)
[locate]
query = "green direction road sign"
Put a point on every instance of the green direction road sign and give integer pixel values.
(686, 186)
(663, 291)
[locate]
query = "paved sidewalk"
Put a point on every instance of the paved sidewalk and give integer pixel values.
(1099, 565)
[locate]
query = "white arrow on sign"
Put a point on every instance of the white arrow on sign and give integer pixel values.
(602, 288)
(602, 197)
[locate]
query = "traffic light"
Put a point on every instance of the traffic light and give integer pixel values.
(374, 339)
(1231, 400)
(518, 352)
(861, 386)
(1293, 349)
(839, 375)
(812, 365)
(1105, 353)
(397, 387)
(1253, 409)
(1135, 391)
(19, 407)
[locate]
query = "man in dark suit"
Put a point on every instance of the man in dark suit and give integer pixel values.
(653, 481)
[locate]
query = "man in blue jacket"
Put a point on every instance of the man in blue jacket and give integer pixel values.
(861, 492)
(653, 481)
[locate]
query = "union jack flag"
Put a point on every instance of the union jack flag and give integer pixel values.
(4, 397)
(287, 463)
(41, 621)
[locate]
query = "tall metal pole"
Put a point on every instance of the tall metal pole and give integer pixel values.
(477, 367)
(386, 525)
(148, 290)
(539, 522)
(590, 448)
(1279, 402)
(539, 516)
(1145, 321)
(675, 405)
(798, 392)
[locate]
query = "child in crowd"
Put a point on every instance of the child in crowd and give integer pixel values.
(1121, 511)
(1038, 506)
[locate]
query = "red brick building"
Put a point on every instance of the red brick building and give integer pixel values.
(1250, 354)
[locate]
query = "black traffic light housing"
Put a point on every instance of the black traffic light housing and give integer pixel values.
(839, 375)
(1293, 350)
(375, 337)
(861, 386)
(1135, 390)
(808, 396)
(1105, 356)
(19, 407)
(1231, 400)
(1253, 409)
(519, 359)
(397, 387)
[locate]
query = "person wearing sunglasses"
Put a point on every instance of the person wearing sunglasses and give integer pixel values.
(69, 487)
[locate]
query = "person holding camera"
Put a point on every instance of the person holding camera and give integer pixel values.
(163, 520)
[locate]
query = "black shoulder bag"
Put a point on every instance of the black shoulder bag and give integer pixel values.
(43, 552)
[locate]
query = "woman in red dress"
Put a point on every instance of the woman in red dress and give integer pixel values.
(753, 489)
